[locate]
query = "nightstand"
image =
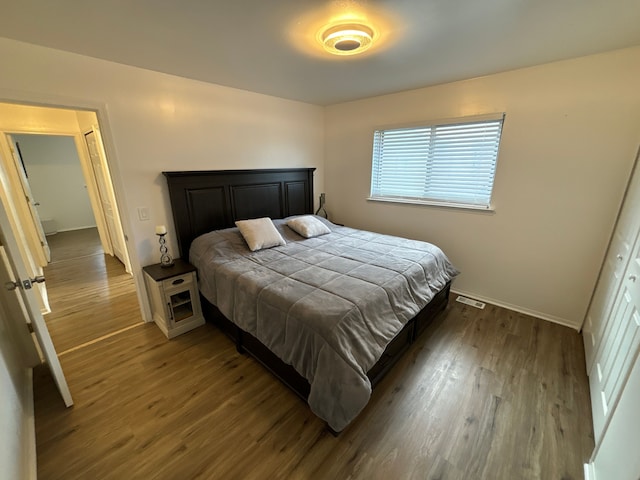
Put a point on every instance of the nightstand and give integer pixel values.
(173, 292)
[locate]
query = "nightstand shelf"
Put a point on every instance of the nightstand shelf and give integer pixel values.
(173, 293)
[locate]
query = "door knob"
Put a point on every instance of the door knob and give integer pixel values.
(619, 257)
(26, 284)
(633, 278)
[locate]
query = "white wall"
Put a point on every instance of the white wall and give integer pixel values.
(153, 122)
(569, 140)
(570, 136)
(56, 180)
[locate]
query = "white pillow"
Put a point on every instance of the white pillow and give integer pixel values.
(308, 226)
(260, 233)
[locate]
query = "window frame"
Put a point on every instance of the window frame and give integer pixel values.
(488, 207)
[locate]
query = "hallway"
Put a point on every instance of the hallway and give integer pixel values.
(90, 293)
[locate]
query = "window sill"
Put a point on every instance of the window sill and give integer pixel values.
(430, 203)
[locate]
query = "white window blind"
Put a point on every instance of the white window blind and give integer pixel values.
(446, 164)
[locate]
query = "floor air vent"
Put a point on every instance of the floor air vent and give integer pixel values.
(469, 301)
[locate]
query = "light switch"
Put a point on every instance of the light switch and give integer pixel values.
(143, 214)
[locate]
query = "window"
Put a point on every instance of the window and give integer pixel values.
(450, 164)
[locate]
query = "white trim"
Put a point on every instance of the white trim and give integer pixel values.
(103, 337)
(434, 203)
(50, 100)
(30, 457)
(589, 471)
(516, 308)
(446, 121)
(76, 228)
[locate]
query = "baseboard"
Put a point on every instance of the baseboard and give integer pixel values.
(76, 228)
(30, 458)
(516, 308)
(589, 472)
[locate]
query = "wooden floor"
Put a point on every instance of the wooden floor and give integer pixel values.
(74, 244)
(90, 293)
(483, 394)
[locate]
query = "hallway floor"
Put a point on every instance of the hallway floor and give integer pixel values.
(90, 293)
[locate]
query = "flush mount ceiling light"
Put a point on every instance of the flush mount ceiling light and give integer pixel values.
(346, 39)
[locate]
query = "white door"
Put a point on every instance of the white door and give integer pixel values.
(615, 264)
(24, 294)
(105, 198)
(13, 310)
(31, 203)
(619, 346)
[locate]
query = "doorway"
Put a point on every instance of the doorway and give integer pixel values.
(53, 178)
(90, 289)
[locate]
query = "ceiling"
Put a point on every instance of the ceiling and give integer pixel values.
(269, 46)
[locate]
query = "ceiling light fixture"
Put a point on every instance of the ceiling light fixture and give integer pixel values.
(346, 39)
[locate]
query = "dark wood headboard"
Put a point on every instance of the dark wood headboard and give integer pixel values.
(203, 201)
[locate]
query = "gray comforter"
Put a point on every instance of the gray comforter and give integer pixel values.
(327, 305)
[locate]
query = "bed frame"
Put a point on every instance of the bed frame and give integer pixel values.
(203, 201)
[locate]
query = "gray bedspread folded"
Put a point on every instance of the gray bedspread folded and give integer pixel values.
(327, 305)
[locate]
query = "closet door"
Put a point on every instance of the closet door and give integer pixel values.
(615, 264)
(619, 346)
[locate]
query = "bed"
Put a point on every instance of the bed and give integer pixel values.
(328, 315)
